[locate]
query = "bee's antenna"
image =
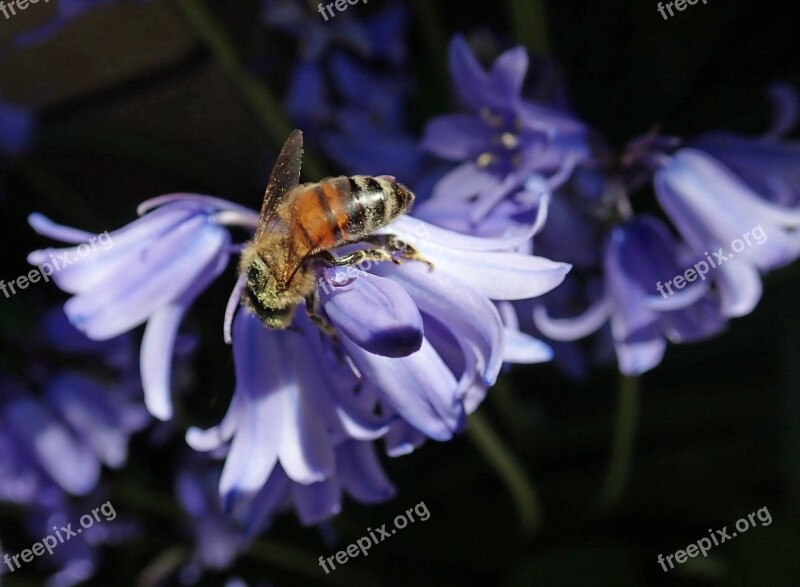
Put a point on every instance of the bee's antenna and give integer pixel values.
(230, 309)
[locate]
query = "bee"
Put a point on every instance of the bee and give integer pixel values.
(298, 226)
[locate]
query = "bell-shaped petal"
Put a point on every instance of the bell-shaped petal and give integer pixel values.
(720, 215)
(373, 312)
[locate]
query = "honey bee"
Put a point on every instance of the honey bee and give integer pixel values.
(298, 226)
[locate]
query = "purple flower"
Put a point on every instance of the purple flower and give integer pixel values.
(639, 256)
(218, 538)
(149, 271)
(58, 442)
(417, 346)
(724, 219)
(77, 560)
(349, 88)
(377, 37)
(369, 132)
(503, 139)
(769, 167)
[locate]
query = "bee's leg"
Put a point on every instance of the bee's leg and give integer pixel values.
(358, 257)
(404, 251)
(316, 319)
(312, 307)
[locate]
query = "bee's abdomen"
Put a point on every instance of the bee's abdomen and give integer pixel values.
(345, 209)
(374, 202)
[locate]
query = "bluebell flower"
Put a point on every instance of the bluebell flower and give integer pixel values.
(502, 140)
(741, 231)
(414, 344)
(54, 443)
(57, 442)
(424, 347)
(348, 90)
(152, 271)
(369, 131)
(78, 559)
(639, 255)
(218, 538)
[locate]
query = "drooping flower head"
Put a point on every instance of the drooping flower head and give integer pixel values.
(349, 87)
(59, 429)
(503, 140)
(732, 199)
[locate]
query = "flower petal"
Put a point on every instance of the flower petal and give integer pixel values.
(420, 387)
(72, 465)
(262, 381)
(456, 137)
(373, 312)
(361, 473)
(565, 329)
(317, 502)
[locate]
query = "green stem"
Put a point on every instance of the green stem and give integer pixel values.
(255, 94)
(272, 552)
(508, 409)
(509, 469)
(430, 24)
(619, 465)
(530, 25)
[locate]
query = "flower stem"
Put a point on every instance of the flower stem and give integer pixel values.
(622, 445)
(255, 94)
(427, 15)
(530, 26)
(510, 470)
(141, 500)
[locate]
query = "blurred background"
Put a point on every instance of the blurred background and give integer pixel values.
(104, 104)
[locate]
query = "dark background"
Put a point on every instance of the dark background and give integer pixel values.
(132, 105)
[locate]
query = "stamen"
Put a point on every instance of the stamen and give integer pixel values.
(510, 141)
(484, 160)
(490, 118)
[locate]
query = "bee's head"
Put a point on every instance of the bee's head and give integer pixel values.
(261, 294)
(257, 273)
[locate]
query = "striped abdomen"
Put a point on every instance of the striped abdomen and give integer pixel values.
(342, 210)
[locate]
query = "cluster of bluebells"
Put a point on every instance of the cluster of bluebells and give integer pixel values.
(517, 155)
(350, 85)
(59, 428)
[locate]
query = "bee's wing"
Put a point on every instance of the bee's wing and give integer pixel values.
(285, 176)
